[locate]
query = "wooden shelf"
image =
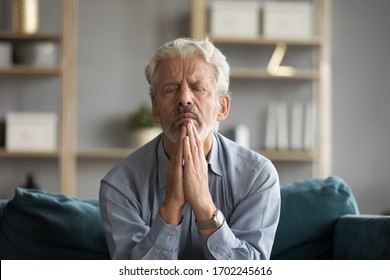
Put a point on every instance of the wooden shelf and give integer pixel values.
(28, 154)
(120, 153)
(261, 40)
(105, 153)
(29, 70)
(290, 155)
(12, 36)
(276, 155)
(252, 73)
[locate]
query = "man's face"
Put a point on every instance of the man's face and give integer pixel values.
(185, 90)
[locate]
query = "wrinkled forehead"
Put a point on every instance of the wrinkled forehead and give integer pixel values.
(192, 67)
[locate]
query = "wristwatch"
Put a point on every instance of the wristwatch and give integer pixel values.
(215, 223)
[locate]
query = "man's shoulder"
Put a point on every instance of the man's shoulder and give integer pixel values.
(248, 169)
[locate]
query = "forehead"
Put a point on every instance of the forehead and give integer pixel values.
(192, 67)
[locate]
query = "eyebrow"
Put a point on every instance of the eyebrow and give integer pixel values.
(169, 84)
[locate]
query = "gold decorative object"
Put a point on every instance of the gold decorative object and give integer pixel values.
(274, 68)
(25, 16)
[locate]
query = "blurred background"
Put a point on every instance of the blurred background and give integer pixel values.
(113, 41)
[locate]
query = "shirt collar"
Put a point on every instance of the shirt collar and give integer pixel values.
(213, 158)
(162, 160)
(162, 164)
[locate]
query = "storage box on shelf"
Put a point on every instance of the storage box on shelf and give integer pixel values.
(31, 132)
(288, 20)
(237, 18)
(314, 17)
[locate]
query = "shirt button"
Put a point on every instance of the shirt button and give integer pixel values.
(172, 238)
(214, 247)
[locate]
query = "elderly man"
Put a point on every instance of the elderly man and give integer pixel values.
(190, 193)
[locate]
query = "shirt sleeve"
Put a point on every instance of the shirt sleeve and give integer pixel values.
(250, 231)
(128, 237)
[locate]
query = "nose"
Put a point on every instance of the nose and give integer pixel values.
(185, 95)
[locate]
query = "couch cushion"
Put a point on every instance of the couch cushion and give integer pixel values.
(309, 211)
(362, 237)
(42, 225)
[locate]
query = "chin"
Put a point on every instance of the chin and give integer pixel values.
(204, 132)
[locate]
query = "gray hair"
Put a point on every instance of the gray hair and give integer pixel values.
(183, 47)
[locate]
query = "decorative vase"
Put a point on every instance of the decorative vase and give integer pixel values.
(25, 16)
(141, 136)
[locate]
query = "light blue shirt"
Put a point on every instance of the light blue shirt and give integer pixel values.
(243, 184)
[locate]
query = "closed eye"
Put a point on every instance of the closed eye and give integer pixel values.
(198, 87)
(170, 88)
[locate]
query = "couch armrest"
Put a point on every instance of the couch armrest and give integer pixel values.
(362, 237)
(3, 204)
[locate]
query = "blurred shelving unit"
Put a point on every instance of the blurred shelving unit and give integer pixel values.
(318, 76)
(65, 71)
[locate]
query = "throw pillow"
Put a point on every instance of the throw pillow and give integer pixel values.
(309, 211)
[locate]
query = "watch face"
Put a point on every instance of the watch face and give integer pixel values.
(219, 218)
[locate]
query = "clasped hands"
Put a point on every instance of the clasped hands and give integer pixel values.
(187, 179)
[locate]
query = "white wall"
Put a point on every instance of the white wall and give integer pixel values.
(361, 97)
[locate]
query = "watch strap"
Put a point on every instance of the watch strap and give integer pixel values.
(210, 224)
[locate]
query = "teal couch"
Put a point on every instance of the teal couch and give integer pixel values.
(319, 220)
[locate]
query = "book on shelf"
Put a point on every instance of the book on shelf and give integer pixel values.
(310, 126)
(282, 126)
(270, 133)
(297, 126)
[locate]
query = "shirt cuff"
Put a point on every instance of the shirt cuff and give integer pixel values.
(218, 245)
(165, 237)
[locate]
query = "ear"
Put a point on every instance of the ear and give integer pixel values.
(155, 114)
(224, 103)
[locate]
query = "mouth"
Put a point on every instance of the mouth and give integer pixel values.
(184, 117)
